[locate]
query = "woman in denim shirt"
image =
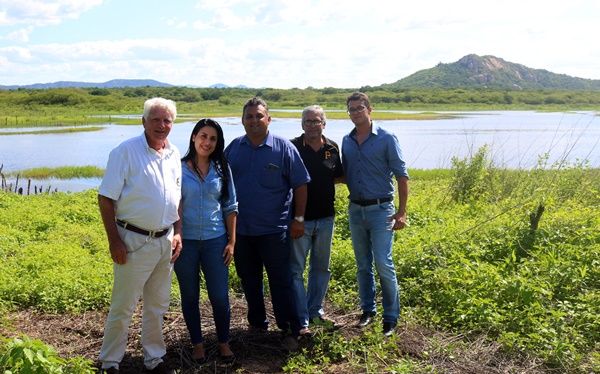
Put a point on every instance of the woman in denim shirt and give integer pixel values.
(208, 212)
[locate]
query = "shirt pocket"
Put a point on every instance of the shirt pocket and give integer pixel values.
(271, 176)
(213, 187)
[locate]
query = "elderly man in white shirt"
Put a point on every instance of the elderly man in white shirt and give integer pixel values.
(138, 198)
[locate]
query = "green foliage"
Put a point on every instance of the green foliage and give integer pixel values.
(470, 266)
(30, 356)
(54, 131)
(62, 172)
(471, 176)
(478, 266)
(53, 253)
(75, 106)
(493, 72)
(368, 353)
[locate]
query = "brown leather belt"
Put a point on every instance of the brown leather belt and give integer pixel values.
(372, 201)
(152, 234)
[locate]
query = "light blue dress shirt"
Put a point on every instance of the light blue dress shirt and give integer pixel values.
(371, 166)
(204, 213)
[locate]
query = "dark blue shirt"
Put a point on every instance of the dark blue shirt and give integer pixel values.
(265, 177)
(371, 166)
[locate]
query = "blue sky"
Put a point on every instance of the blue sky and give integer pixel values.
(286, 43)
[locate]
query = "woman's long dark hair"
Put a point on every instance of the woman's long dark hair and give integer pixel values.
(217, 156)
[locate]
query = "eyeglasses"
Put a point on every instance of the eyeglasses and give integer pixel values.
(313, 122)
(358, 109)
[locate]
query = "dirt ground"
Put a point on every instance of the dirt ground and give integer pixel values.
(255, 352)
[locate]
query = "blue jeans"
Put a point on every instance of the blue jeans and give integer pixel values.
(273, 252)
(372, 238)
(208, 256)
(317, 240)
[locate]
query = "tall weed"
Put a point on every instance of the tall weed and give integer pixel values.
(31, 356)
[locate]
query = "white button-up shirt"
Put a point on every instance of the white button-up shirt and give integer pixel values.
(145, 184)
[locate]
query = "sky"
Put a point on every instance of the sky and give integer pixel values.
(286, 43)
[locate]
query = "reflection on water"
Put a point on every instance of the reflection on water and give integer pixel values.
(516, 140)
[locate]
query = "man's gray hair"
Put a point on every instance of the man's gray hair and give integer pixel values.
(314, 109)
(159, 102)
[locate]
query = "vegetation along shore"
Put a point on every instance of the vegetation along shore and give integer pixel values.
(499, 272)
(84, 106)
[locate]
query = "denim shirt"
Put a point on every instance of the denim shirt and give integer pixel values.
(204, 214)
(371, 166)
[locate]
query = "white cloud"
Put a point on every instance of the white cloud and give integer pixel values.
(301, 43)
(176, 23)
(20, 35)
(40, 12)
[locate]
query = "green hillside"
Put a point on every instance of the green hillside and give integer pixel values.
(473, 71)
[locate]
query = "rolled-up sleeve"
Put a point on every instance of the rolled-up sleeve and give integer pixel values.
(231, 204)
(396, 161)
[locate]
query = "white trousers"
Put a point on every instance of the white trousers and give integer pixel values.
(146, 274)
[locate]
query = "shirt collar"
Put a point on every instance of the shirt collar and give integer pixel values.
(268, 140)
(326, 141)
(167, 150)
(374, 130)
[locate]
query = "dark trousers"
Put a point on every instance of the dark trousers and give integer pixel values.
(271, 251)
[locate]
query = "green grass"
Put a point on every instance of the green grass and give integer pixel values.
(470, 264)
(85, 106)
(53, 131)
(63, 172)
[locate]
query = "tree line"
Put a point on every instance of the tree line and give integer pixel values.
(189, 99)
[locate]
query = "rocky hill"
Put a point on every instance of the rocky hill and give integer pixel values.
(491, 72)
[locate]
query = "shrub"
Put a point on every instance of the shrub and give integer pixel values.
(471, 176)
(32, 356)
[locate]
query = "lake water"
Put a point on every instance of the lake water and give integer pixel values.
(516, 140)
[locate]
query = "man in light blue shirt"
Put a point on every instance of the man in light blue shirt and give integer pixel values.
(372, 158)
(268, 171)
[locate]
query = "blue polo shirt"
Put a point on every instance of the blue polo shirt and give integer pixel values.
(265, 177)
(370, 168)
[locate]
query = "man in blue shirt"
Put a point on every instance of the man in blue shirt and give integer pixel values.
(372, 158)
(268, 171)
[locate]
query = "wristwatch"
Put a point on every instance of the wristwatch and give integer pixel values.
(299, 218)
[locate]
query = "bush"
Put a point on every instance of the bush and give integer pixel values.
(31, 356)
(471, 176)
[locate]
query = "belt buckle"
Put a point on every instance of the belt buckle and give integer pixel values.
(152, 233)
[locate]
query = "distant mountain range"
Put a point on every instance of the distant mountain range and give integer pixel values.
(115, 83)
(475, 71)
(223, 85)
(471, 71)
(110, 84)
